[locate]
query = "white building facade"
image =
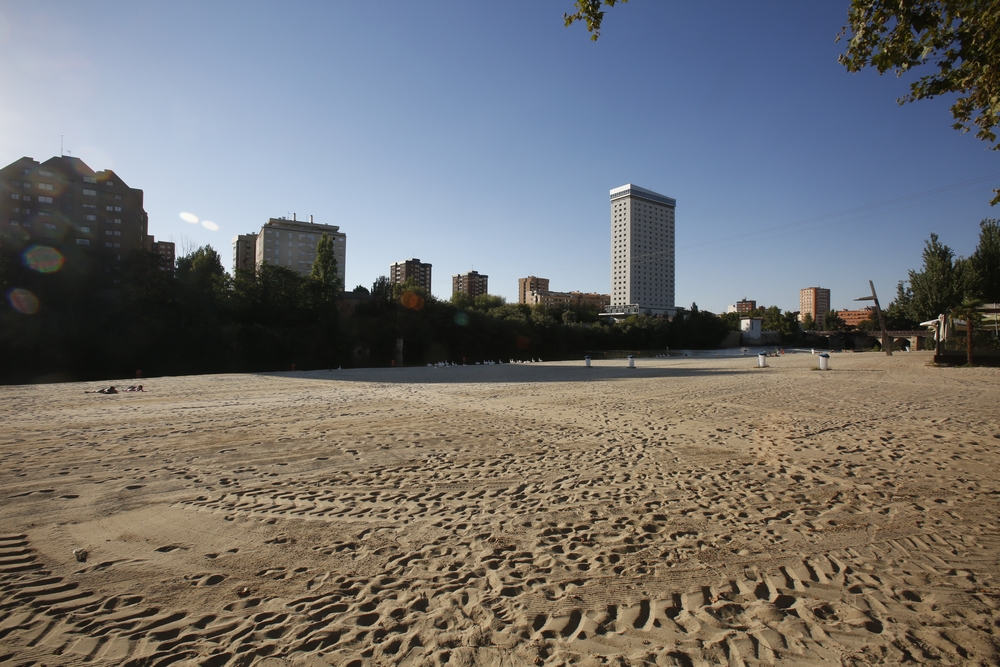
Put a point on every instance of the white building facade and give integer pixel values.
(292, 244)
(642, 252)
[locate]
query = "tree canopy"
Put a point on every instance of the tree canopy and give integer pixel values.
(985, 261)
(590, 12)
(960, 38)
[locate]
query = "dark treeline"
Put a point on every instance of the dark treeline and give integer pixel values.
(83, 322)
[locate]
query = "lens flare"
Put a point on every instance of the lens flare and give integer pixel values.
(412, 301)
(42, 259)
(23, 301)
(461, 319)
(210, 225)
(189, 217)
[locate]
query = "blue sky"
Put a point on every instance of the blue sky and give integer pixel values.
(487, 135)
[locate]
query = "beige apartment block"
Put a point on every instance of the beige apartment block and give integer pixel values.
(472, 283)
(642, 252)
(525, 286)
(292, 244)
(412, 270)
(816, 302)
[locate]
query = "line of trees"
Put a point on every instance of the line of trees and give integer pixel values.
(90, 322)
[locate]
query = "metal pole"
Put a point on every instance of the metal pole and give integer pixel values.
(886, 344)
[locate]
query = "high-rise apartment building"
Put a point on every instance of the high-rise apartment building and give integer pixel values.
(472, 283)
(642, 252)
(63, 203)
(244, 252)
(292, 244)
(816, 302)
(412, 270)
(525, 286)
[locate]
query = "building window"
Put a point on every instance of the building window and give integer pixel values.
(89, 179)
(118, 196)
(92, 218)
(90, 193)
(118, 245)
(108, 232)
(107, 245)
(44, 172)
(118, 209)
(83, 241)
(111, 184)
(118, 221)
(49, 225)
(89, 205)
(84, 229)
(14, 195)
(45, 200)
(15, 223)
(117, 233)
(45, 186)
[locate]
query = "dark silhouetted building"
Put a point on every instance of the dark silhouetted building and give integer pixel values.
(64, 204)
(412, 270)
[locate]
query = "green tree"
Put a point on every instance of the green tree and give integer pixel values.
(202, 268)
(808, 324)
(324, 268)
(960, 38)
(938, 286)
(968, 310)
(832, 321)
(487, 302)
(984, 263)
(382, 292)
(590, 12)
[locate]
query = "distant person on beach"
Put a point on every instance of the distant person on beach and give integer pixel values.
(134, 388)
(109, 390)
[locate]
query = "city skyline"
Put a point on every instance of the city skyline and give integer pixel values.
(447, 134)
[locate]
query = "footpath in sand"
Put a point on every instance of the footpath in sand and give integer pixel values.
(688, 512)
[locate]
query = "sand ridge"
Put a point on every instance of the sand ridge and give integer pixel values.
(691, 511)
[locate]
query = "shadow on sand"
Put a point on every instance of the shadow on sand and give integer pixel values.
(505, 373)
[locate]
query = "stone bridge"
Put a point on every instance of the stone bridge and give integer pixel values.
(899, 338)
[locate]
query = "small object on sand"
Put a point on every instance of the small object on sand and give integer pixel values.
(243, 591)
(81, 555)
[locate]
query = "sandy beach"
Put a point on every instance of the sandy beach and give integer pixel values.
(692, 511)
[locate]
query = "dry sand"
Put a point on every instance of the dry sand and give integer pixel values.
(690, 512)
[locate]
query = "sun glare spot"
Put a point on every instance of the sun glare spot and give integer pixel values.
(461, 319)
(189, 217)
(210, 225)
(42, 259)
(23, 301)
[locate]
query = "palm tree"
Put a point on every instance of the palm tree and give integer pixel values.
(968, 310)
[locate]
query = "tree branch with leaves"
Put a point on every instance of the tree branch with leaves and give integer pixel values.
(960, 38)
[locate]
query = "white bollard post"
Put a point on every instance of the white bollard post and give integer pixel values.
(631, 361)
(812, 351)
(824, 362)
(762, 360)
(586, 360)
